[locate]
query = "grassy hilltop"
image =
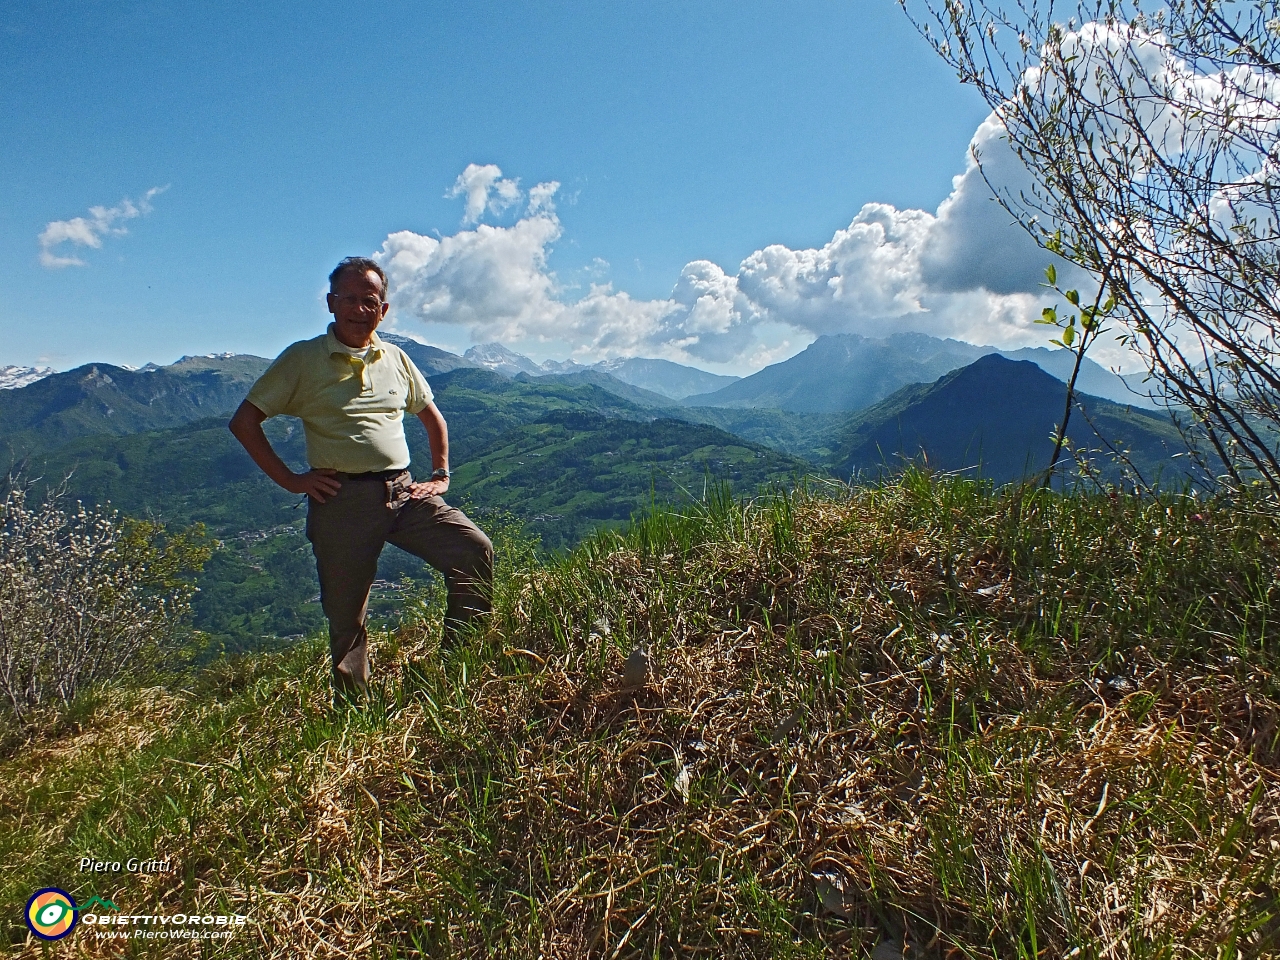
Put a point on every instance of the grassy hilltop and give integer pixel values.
(923, 717)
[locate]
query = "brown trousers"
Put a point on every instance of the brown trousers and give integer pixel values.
(347, 533)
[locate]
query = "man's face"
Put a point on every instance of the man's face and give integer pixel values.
(358, 306)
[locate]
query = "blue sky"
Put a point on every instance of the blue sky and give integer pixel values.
(681, 135)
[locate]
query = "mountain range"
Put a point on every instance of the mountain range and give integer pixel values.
(567, 449)
(847, 372)
(836, 373)
(671, 380)
(810, 406)
(105, 399)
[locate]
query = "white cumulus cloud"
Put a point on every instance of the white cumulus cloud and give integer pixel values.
(965, 270)
(974, 241)
(485, 189)
(868, 270)
(492, 280)
(89, 231)
(871, 278)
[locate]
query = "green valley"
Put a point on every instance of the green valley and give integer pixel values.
(564, 454)
(563, 458)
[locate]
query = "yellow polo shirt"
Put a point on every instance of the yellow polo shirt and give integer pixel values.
(352, 409)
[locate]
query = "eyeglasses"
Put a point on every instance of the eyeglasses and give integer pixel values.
(368, 304)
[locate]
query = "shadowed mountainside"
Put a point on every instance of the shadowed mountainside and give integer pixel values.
(998, 416)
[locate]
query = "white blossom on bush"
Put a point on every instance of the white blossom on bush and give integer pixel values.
(85, 597)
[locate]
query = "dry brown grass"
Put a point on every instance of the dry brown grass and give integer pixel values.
(969, 724)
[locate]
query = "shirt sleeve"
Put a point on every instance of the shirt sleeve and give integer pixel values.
(275, 391)
(419, 394)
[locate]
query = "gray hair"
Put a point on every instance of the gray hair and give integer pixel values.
(361, 265)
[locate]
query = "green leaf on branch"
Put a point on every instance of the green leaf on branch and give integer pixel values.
(1074, 297)
(1051, 274)
(1048, 315)
(1068, 336)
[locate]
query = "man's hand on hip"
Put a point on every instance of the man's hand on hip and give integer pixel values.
(428, 488)
(319, 484)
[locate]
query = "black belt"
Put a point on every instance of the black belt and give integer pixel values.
(380, 475)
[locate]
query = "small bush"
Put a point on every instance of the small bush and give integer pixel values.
(85, 597)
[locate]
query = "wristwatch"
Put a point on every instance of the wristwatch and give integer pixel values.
(441, 474)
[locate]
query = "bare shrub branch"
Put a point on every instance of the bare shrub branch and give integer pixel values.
(1152, 138)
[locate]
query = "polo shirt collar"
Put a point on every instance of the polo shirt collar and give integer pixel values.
(335, 346)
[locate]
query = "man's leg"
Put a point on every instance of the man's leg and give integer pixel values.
(346, 533)
(444, 537)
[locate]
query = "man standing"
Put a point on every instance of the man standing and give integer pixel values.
(351, 390)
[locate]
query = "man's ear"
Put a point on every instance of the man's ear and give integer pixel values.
(328, 299)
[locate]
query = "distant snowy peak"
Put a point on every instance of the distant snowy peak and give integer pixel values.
(672, 380)
(428, 359)
(562, 366)
(496, 357)
(13, 378)
(204, 356)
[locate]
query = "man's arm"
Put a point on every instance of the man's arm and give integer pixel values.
(246, 426)
(438, 437)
